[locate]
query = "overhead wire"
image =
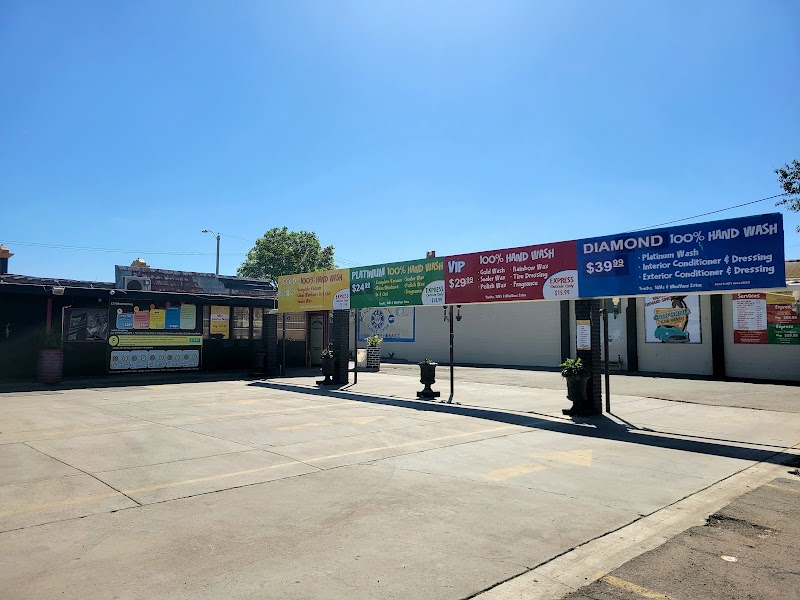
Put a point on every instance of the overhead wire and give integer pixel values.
(713, 212)
(339, 259)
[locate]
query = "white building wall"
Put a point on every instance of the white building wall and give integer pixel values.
(687, 359)
(513, 333)
(757, 361)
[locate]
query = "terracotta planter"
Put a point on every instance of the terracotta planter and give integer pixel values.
(49, 365)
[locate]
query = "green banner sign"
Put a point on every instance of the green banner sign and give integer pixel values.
(410, 283)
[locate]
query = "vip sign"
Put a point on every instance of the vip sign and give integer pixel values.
(540, 272)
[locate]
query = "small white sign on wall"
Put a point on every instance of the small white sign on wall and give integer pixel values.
(583, 335)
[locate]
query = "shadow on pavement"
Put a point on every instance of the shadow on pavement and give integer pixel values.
(600, 427)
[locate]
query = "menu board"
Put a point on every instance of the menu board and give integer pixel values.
(760, 318)
(583, 335)
(410, 283)
(539, 272)
(143, 337)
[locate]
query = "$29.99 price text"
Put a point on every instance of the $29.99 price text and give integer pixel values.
(461, 282)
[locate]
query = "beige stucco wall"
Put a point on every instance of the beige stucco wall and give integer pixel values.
(514, 333)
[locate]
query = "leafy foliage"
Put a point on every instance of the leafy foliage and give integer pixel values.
(50, 340)
(575, 367)
(283, 252)
(374, 340)
(789, 179)
(327, 354)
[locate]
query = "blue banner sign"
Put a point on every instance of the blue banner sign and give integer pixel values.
(719, 256)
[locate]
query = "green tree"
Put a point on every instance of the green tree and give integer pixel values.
(283, 252)
(789, 178)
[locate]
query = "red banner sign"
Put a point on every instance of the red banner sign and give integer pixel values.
(545, 271)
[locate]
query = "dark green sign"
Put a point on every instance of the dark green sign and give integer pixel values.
(410, 283)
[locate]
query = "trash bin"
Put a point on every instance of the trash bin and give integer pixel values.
(361, 357)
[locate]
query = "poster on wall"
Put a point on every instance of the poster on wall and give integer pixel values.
(744, 253)
(672, 319)
(583, 334)
(220, 318)
(323, 290)
(85, 324)
(393, 324)
(132, 347)
(410, 283)
(540, 272)
(766, 318)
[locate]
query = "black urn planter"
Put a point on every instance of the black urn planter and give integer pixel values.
(576, 391)
(427, 377)
(328, 370)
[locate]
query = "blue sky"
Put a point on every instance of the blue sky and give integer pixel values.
(389, 128)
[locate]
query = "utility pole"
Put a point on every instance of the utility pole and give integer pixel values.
(216, 235)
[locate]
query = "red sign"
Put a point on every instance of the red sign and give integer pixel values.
(544, 271)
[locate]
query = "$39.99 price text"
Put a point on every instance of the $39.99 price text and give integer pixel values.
(604, 266)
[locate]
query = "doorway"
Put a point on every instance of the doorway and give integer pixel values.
(316, 338)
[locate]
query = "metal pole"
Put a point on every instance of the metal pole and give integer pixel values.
(452, 366)
(217, 271)
(355, 347)
(283, 360)
(605, 355)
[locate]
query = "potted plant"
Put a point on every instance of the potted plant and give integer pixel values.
(577, 374)
(374, 352)
(427, 377)
(50, 359)
(327, 360)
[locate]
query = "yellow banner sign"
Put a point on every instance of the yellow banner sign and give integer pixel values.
(154, 340)
(323, 290)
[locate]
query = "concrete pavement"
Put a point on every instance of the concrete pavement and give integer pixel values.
(748, 549)
(278, 489)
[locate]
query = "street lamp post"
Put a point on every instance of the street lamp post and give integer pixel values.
(216, 235)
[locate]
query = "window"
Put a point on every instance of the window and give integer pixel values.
(258, 323)
(241, 322)
(295, 327)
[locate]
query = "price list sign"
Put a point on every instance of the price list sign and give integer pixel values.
(410, 283)
(745, 253)
(546, 271)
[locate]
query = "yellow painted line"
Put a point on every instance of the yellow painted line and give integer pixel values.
(582, 458)
(780, 487)
(250, 414)
(121, 427)
(229, 402)
(171, 484)
(48, 505)
(406, 444)
(633, 588)
(303, 426)
(353, 420)
(502, 474)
